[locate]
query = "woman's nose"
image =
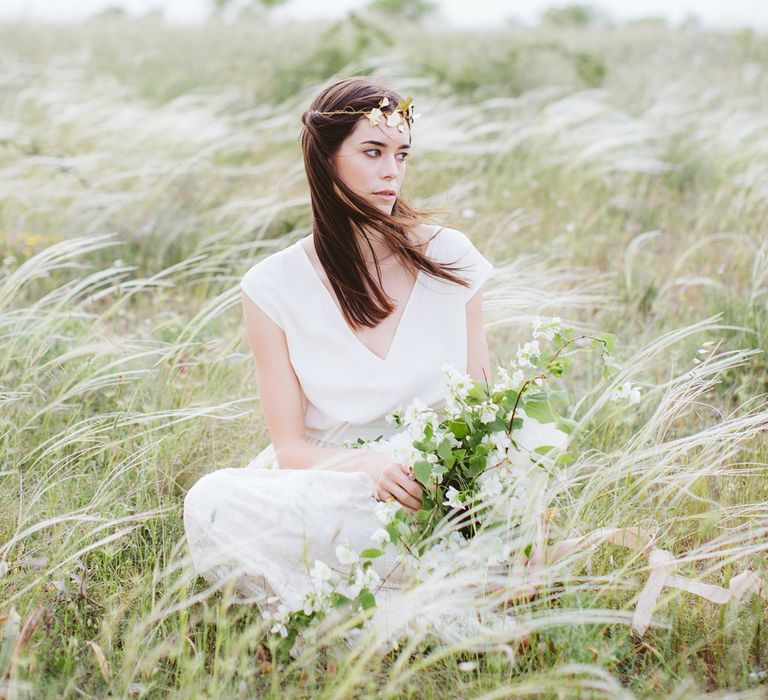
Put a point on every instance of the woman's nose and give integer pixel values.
(389, 166)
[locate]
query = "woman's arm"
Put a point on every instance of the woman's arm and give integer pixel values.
(477, 346)
(283, 402)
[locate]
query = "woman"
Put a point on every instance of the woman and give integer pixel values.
(345, 326)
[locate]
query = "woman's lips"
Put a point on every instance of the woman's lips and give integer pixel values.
(385, 194)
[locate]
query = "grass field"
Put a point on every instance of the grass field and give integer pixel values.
(618, 178)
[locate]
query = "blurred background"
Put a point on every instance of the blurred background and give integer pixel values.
(712, 13)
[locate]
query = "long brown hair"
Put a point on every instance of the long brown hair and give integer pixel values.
(340, 217)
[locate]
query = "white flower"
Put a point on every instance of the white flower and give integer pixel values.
(345, 554)
(385, 511)
(507, 382)
(488, 411)
(323, 577)
(363, 578)
(528, 351)
(310, 604)
(545, 328)
(626, 392)
(417, 416)
(401, 449)
(279, 628)
(491, 485)
(452, 498)
(457, 384)
(380, 537)
(368, 578)
(499, 441)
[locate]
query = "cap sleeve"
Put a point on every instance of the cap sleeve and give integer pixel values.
(262, 284)
(476, 268)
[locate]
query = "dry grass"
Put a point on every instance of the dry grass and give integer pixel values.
(145, 169)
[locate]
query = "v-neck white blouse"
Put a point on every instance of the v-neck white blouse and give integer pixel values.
(350, 389)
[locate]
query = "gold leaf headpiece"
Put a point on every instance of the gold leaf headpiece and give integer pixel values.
(402, 114)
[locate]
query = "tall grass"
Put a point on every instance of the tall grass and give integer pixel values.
(144, 169)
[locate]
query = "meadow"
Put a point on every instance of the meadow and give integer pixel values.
(617, 177)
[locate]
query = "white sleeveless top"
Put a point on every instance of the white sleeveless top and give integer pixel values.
(350, 389)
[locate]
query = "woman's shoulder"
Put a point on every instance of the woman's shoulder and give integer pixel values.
(270, 266)
(443, 240)
(266, 281)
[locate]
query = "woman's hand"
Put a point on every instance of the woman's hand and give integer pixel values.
(397, 480)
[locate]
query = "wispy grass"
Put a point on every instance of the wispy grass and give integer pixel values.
(144, 169)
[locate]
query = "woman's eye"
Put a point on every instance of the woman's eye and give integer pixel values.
(375, 153)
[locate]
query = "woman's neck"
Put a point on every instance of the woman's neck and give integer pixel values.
(380, 248)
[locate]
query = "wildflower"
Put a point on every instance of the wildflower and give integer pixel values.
(385, 511)
(381, 537)
(545, 328)
(394, 419)
(457, 384)
(417, 416)
(507, 382)
(527, 356)
(401, 449)
(627, 392)
(279, 628)
(323, 577)
(488, 411)
(490, 485)
(345, 554)
(453, 498)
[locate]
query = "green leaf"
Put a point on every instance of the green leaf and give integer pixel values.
(444, 450)
(610, 340)
(477, 463)
(540, 411)
(509, 400)
(392, 530)
(458, 428)
(367, 599)
(337, 599)
(422, 515)
(371, 553)
(497, 425)
(476, 394)
(428, 431)
(423, 470)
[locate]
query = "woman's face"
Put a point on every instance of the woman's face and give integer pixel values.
(371, 162)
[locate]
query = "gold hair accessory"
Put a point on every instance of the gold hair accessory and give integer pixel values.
(402, 114)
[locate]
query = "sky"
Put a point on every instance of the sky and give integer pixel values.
(713, 13)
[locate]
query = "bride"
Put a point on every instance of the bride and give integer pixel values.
(345, 325)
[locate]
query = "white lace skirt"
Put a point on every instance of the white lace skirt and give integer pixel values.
(263, 527)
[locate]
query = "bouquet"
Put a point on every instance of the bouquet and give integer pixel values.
(478, 464)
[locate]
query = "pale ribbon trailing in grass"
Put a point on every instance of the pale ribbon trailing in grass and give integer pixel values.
(661, 563)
